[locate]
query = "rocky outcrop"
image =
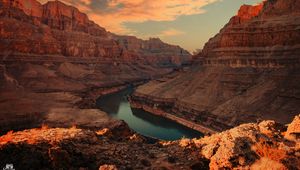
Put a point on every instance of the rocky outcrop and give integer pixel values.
(247, 72)
(75, 148)
(248, 146)
(293, 131)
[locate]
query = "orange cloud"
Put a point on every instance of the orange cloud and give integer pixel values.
(86, 2)
(118, 12)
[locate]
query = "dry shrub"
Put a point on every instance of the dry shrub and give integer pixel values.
(265, 163)
(269, 150)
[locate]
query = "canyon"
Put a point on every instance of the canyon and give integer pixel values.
(248, 72)
(54, 57)
(242, 91)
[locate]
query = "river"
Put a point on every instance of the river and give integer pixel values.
(144, 123)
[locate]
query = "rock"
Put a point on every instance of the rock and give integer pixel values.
(267, 127)
(60, 29)
(227, 149)
(248, 146)
(165, 54)
(243, 147)
(108, 167)
(59, 50)
(84, 118)
(145, 162)
(247, 12)
(73, 148)
(30, 7)
(293, 130)
(246, 73)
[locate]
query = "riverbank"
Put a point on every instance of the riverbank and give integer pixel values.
(89, 97)
(117, 106)
(34, 109)
(162, 113)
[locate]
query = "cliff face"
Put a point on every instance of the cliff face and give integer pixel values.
(263, 35)
(247, 72)
(56, 28)
(52, 29)
(165, 54)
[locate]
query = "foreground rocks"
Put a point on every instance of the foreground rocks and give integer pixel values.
(248, 146)
(246, 73)
(75, 148)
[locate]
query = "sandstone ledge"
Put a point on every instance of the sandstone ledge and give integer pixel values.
(182, 112)
(172, 117)
(135, 102)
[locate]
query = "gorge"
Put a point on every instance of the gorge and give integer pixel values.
(143, 122)
(246, 73)
(75, 96)
(62, 60)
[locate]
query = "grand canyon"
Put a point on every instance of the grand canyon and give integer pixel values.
(74, 95)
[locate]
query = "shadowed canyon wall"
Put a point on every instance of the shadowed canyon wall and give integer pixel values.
(249, 71)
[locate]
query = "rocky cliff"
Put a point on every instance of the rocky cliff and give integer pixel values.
(264, 145)
(249, 71)
(53, 57)
(265, 35)
(56, 28)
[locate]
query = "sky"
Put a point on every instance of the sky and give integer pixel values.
(188, 23)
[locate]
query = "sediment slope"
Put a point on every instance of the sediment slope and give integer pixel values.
(247, 72)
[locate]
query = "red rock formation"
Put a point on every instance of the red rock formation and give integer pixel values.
(257, 33)
(56, 28)
(248, 12)
(247, 72)
(30, 7)
(54, 57)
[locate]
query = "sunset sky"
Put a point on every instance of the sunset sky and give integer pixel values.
(188, 23)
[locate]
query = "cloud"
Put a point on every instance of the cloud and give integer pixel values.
(170, 33)
(86, 2)
(113, 14)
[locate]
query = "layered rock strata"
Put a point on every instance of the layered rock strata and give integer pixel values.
(53, 57)
(249, 146)
(55, 28)
(247, 72)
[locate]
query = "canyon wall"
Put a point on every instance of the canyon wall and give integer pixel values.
(58, 29)
(53, 57)
(249, 71)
